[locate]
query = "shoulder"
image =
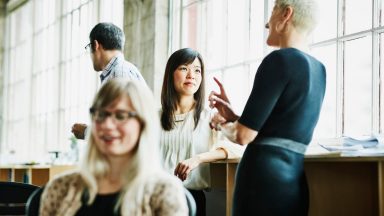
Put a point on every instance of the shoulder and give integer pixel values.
(275, 55)
(60, 184)
(163, 185)
(274, 66)
(274, 62)
(167, 194)
(65, 178)
(122, 66)
(286, 53)
(60, 192)
(161, 181)
(129, 65)
(291, 55)
(290, 60)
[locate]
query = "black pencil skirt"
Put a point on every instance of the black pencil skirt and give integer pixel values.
(270, 181)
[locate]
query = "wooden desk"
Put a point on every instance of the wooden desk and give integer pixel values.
(338, 185)
(34, 174)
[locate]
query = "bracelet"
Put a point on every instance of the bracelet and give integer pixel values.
(225, 151)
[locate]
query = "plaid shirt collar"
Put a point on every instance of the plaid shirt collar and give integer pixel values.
(112, 63)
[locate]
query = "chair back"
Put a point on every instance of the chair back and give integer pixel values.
(14, 196)
(191, 203)
(33, 202)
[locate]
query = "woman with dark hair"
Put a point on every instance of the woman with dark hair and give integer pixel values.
(187, 141)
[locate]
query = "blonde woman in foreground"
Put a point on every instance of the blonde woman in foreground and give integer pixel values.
(121, 172)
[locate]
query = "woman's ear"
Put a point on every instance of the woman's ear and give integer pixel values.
(287, 14)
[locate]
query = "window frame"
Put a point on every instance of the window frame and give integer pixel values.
(341, 38)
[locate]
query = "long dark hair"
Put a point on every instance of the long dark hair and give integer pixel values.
(168, 91)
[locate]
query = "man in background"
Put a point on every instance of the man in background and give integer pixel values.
(106, 50)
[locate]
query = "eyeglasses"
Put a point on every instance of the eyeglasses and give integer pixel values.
(267, 26)
(118, 117)
(88, 47)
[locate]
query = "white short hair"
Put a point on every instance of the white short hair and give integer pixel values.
(304, 13)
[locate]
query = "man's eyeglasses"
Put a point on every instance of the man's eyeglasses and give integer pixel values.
(119, 116)
(88, 47)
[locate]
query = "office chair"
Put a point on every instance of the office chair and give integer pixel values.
(33, 203)
(191, 203)
(13, 197)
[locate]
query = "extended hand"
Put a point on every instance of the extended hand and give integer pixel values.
(185, 167)
(221, 103)
(79, 130)
(216, 121)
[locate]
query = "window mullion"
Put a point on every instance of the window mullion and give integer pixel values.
(375, 83)
(340, 71)
(375, 69)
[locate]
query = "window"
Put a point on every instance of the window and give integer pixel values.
(212, 26)
(353, 67)
(45, 68)
(231, 37)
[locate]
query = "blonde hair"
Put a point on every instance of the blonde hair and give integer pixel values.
(304, 13)
(145, 161)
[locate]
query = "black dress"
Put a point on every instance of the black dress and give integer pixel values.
(284, 108)
(104, 204)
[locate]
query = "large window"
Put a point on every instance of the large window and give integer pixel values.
(49, 81)
(351, 53)
(230, 35)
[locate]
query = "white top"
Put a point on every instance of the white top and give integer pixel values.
(184, 141)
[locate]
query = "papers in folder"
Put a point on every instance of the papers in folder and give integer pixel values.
(365, 141)
(358, 146)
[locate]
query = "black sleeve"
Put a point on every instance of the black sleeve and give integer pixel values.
(270, 81)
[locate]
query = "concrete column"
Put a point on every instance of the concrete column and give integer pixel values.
(146, 30)
(2, 38)
(3, 5)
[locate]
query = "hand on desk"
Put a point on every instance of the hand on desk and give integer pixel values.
(79, 130)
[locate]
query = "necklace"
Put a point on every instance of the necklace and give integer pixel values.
(182, 116)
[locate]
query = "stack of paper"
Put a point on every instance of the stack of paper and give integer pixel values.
(365, 141)
(358, 146)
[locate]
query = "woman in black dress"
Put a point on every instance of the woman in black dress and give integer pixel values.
(279, 118)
